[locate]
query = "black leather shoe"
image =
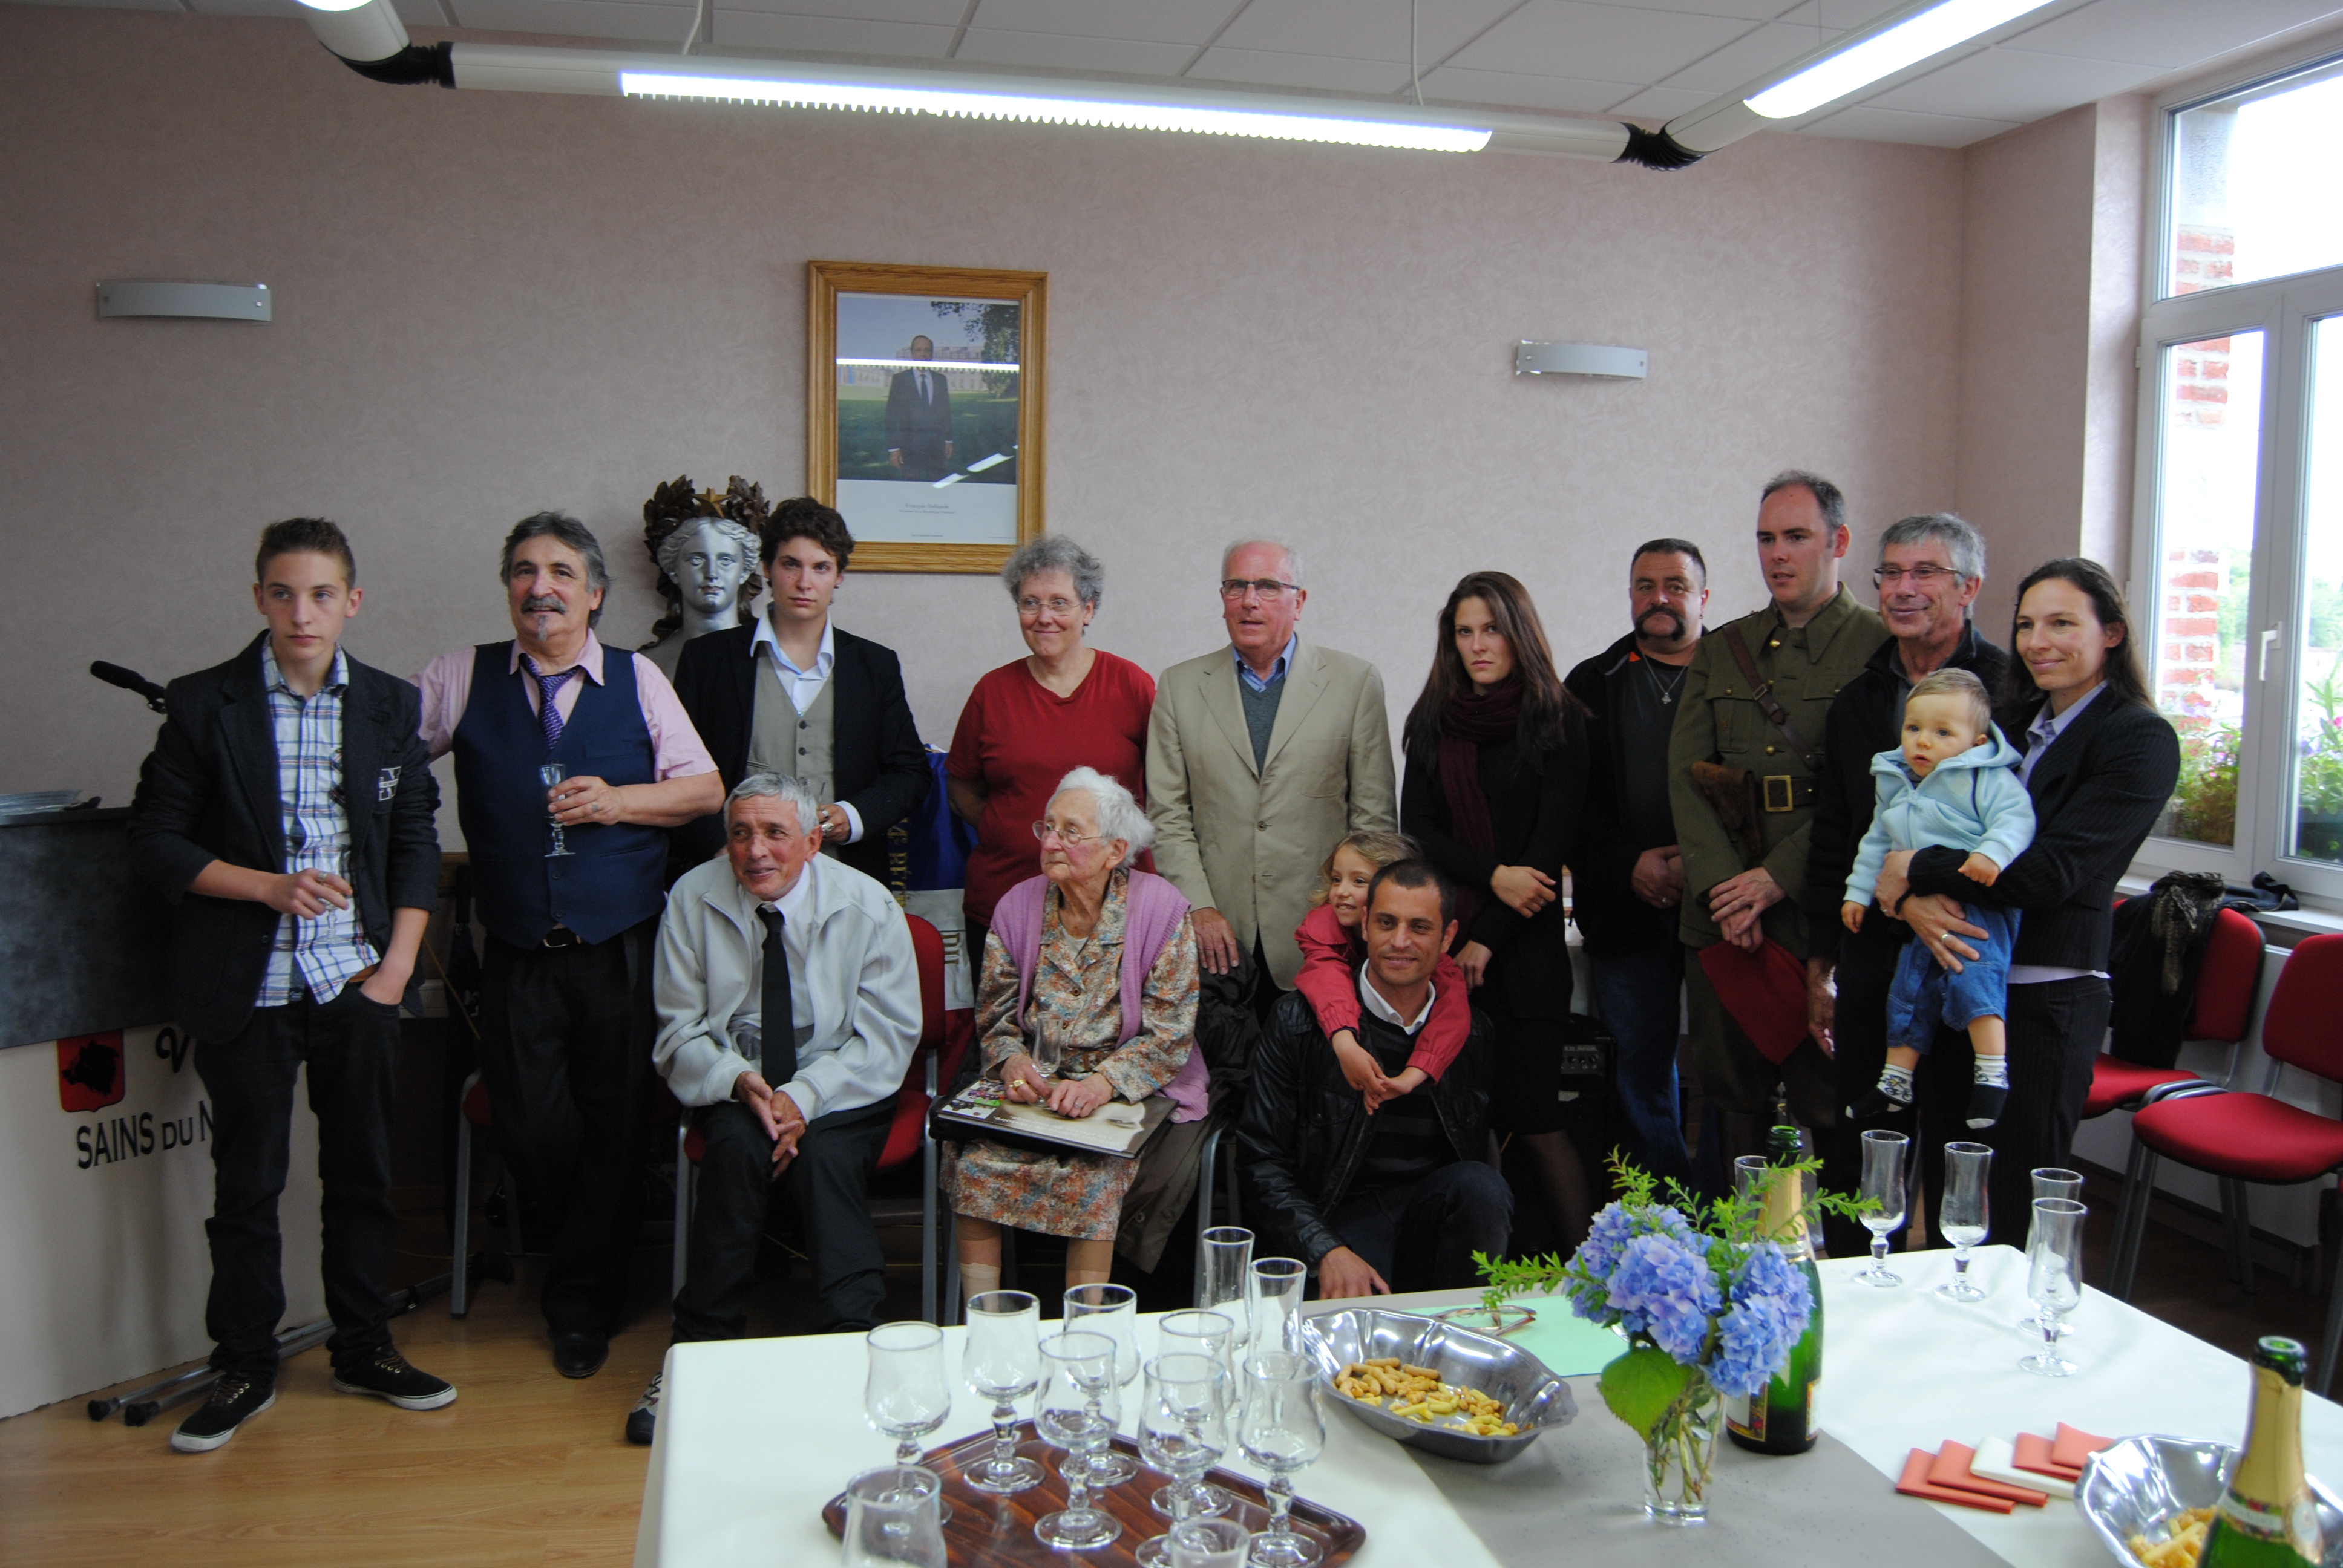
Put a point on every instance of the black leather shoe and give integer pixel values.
(579, 1354)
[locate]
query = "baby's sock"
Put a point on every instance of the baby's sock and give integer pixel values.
(1891, 1092)
(1990, 1090)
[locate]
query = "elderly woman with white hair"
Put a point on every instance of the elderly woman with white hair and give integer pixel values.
(1099, 959)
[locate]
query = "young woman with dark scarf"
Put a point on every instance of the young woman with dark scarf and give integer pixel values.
(1495, 792)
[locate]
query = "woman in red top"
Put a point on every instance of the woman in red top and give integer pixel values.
(1030, 723)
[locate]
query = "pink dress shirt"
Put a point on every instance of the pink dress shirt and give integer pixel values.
(676, 748)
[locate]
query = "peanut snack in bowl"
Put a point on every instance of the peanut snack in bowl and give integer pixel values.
(2183, 1544)
(1417, 1393)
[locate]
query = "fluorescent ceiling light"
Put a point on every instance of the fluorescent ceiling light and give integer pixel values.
(1885, 53)
(333, 5)
(1069, 111)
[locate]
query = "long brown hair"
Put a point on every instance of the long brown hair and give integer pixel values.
(2122, 669)
(1547, 703)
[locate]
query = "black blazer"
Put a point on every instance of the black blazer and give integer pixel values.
(2097, 793)
(1610, 918)
(1534, 818)
(208, 792)
(880, 768)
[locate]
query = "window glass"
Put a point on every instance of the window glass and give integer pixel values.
(2315, 817)
(2212, 418)
(2253, 183)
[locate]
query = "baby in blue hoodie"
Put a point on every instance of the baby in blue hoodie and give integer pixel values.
(1953, 784)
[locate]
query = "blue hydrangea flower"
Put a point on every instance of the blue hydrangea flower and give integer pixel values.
(1663, 1287)
(1771, 1304)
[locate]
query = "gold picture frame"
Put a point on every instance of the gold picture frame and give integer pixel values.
(922, 486)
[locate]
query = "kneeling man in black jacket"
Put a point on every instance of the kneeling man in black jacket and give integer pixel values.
(1370, 1198)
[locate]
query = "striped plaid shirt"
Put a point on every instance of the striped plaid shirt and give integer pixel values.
(320, 955)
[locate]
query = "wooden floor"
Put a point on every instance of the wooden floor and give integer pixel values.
(528, 1467)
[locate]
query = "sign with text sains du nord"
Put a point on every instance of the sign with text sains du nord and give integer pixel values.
(90, 1072)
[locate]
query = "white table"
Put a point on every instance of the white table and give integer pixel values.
(755, 1435)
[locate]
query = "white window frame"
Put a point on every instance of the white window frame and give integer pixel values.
(2285, 310)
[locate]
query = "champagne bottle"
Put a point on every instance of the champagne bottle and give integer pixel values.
(2267, 1518)
(1780, 1418)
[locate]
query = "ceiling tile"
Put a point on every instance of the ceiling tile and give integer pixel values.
(124, 4)
(824, 34)
(2013, 85)
(581, 18)
(1660, 104)
(1130, 56)
(1749, 56)
(1271, 68)
(2167, 33)
(1362, 29)
(1598, 43)
(1189, 22)
(281, 8)
(1869, 124)
(1739, 10)
(1507, 88)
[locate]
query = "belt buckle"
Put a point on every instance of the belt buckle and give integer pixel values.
(1787, 797)
(561, 937)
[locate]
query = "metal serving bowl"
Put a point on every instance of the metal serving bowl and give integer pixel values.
(2134, 1487)
(1534, 1399)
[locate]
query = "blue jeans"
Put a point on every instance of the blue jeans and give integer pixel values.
(1924, 994)
(1638, 995)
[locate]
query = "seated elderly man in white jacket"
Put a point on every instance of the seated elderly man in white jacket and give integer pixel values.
(804, 1106)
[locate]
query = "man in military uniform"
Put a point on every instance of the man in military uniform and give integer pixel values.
(1812, 639)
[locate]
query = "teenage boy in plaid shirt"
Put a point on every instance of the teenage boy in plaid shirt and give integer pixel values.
(287, 814)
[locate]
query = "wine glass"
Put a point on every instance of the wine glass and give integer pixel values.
(2054, 1278)
(1278, 1284)
(1048, 1052)
(1076, 1410)
(1281, 1431)
(1001, 1361)
(1962, 1217)
(2051, 1181)
(906, 1394)
(1213, 1335)
(1208, 1544)
(1112, 1311)
(549, 775)
(892, 1517)
(1884, 1154)
(1227, 1272)
(1183, 1429)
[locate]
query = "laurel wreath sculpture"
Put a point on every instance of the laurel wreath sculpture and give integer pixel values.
(675, 503)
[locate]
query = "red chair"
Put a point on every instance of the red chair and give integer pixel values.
(2243, 1137)
(944, 1038)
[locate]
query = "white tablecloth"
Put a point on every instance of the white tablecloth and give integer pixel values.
(755, 1435)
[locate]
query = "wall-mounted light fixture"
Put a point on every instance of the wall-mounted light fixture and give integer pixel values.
(1580, 360)
(158, 297)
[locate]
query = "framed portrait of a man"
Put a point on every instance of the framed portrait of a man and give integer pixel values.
(923, 411)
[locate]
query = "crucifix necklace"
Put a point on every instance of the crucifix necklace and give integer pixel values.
(1666, 688)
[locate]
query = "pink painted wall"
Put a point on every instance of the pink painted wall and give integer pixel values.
(490, 303)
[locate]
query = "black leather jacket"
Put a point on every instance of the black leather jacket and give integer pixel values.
(1304, 1128)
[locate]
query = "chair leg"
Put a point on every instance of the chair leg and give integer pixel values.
(950, 1302)
(928, 1231)
(2141, 1184)
(1208, 1156)
(459, 1278)
(683, 1176)
(2323, 1375)
(1229, 1180)
(2240, 1207)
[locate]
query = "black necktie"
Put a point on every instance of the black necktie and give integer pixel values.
(780, 1025)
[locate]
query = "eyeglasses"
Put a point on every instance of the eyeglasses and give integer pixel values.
(1267, 587)
(1919, 577)
(1044, 830)
(1036, 606)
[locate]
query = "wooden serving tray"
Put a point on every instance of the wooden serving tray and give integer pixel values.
(987, 1531)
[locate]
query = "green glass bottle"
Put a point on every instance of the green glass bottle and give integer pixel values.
(2267, 1518)
(1780, 1419)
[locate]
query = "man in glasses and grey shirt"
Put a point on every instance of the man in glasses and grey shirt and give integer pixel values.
(1260, 756)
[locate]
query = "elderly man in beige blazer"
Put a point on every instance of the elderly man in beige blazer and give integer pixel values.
(1260, 756)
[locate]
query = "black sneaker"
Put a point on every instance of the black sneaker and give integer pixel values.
(386, 1374)
(235, 1399)
(644, 1417)
(579, 1353)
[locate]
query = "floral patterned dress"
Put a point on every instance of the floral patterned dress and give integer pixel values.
(1076, 996)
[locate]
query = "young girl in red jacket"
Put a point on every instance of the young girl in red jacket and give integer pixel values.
(1332, 952)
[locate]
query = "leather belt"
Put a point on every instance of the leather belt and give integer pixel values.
(1787, 791)
(562, 936)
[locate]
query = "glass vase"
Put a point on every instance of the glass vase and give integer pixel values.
(1678, 1453)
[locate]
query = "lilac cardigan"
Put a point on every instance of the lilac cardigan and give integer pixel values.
(1152, 917)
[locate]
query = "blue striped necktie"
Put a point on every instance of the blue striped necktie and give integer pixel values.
(547, 714)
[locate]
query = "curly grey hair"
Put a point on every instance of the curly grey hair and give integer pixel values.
(779, 786)
(568, 530)
(671, 548)
(1962, 544)
(1055, 553)
(1118, 814)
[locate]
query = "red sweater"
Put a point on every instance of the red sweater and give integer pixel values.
(1331, 957)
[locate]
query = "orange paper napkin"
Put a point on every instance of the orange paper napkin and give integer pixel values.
(2033, 1454)
(1951, 1469)
(2075, 1445)
(1916, 1483)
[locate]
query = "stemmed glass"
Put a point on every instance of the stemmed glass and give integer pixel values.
(2054, 1278)
(1278, 1284)
(1077, 1410)
(1049, 1051)
(1884, 1154)
(1281, 1431)
(892, 1516)
(1961, 1218)
(549, 775)
(1001, 1361)
(906, 1394)
(1211, 1335)
(1112, 1311)
(1228, 1274)
(2051, 1181)
(1183, 1428)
